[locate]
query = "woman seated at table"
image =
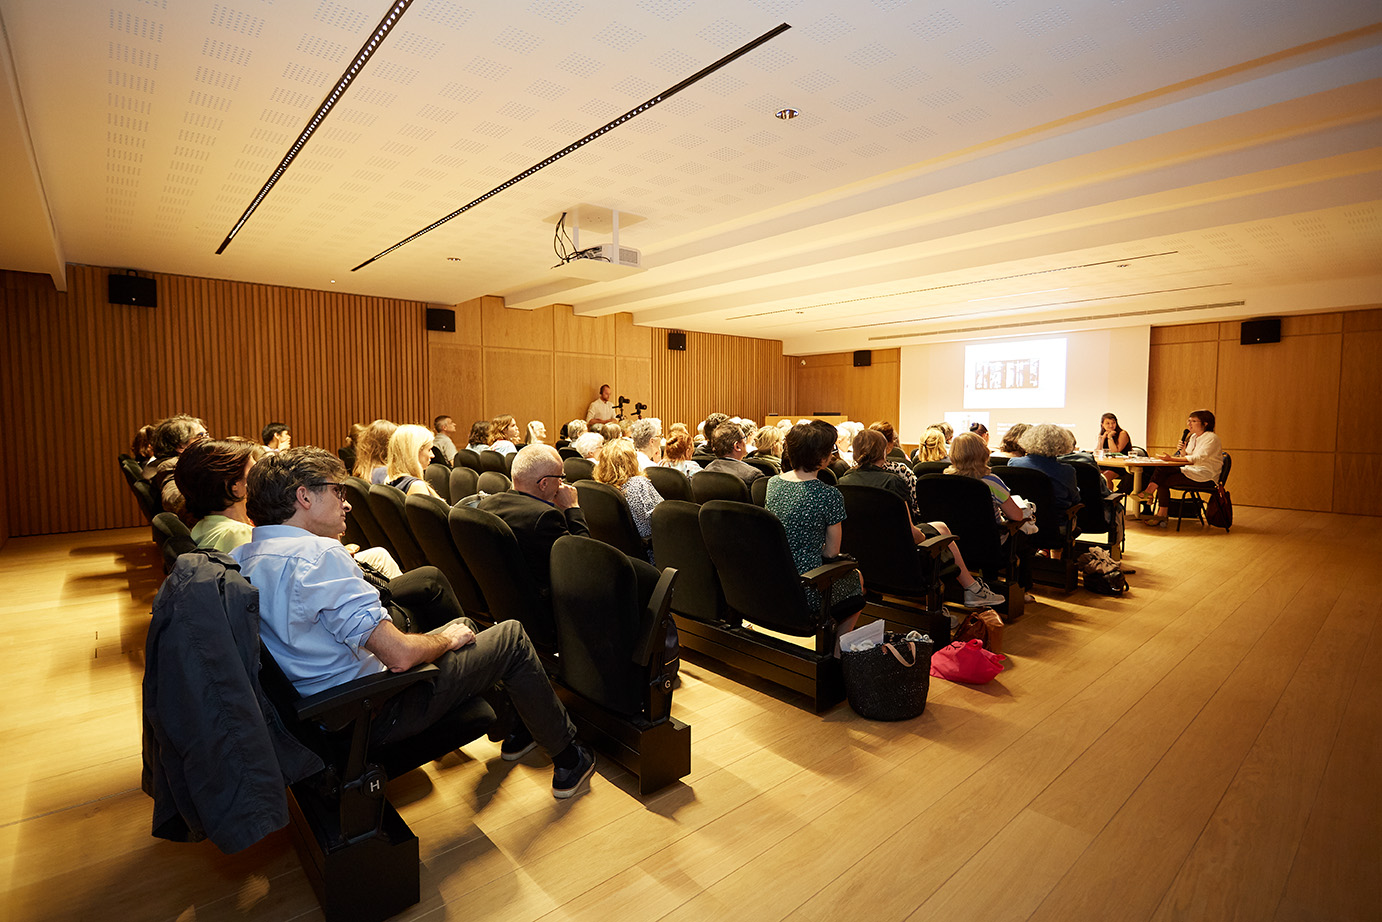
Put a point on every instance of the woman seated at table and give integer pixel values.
(1205, 453)
(410, 450)
(870, 470)
(618, 467)
(1114, 439)
(1042, 446)
(811, 510)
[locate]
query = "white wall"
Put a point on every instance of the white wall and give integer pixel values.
(1107, 373)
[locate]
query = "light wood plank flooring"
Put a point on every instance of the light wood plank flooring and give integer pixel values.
(1205, 748)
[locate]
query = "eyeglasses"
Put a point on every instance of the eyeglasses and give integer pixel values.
(550, 477)
(339, 488)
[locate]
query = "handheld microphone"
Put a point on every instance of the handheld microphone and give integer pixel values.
(1184, 437)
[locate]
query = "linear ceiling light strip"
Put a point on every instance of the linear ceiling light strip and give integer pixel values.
(1024, 307)
(1058, 321)
(361, 58)
(918, 291)
(660, 97)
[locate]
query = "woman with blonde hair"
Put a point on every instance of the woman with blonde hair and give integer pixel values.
(768, 445)
(969, 457)
(618, 467)
(932, 447)
(537, 433)
(372, 451)
(410, 450)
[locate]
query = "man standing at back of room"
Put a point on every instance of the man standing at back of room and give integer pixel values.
(326, 625)
(600, 411)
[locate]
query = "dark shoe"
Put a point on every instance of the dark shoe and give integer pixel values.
(565, 781)
(517, 744)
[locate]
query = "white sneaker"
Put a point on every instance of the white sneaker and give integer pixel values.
(977, 595)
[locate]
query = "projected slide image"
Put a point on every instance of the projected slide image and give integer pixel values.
(1024, 374)
(1007, 373)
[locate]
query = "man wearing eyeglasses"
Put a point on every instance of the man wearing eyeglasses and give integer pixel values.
(539, 509)
(326, 625)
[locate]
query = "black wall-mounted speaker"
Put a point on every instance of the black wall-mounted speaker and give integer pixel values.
(676, 341)
(131, 289)
(441, 319)
(863, 358)
(1261, 330)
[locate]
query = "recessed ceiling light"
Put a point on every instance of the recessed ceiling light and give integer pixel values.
(786, 114)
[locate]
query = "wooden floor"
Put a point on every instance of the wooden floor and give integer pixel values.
(1207, 747)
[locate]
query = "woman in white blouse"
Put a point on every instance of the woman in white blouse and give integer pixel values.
(1205, 453)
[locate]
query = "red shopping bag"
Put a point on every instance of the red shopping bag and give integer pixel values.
(966, 662)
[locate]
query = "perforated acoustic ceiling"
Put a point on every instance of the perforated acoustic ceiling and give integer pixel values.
(943, 151)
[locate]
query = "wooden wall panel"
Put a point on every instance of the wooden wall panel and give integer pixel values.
(1356, 477)
(1360, 392)
(237, 355)
(1362, 320)
(519, 381)
(574, 333)
(1180, 377)
(577, 382)
(1280, 394)
(1188, 333)
(456, 383)
(635, 377)
(1282, 479)
(636, 341)
(718, 373)
(506, 328)
(830, 383)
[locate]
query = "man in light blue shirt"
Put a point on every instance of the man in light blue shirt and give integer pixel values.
(325, 624)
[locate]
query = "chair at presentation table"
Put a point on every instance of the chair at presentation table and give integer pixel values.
(1196, 495)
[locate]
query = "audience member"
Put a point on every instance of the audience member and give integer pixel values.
(410, 450)
(574, 430)
(969, 457)
(980, 430)
(537, 433)
(325, 624)
(811, 510)
(610, 431)
(767, 443)
(211, 475)
(1042, 446)
(276, 437)
(677, 452)
(171, 438)
(895, 460)
(478, 440)
(142, 448)
(372, 451)
(1012, 440)
(504, 434)
(588, 445)
(442, 427)
(932, 447)
(347, 452)
(871, 470)
(539, 509)
(646, 435)
(727, 443)
(619, 467)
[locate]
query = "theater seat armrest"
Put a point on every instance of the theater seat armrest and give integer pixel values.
(655, 616)
(933, 547)
(1073, 512)
(828, 573)
(336, 707)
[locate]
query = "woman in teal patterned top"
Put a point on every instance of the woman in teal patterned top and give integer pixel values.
(811, 511)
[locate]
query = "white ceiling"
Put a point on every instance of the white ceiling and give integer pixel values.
(956, 168)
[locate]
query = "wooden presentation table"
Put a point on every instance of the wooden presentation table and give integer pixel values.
(772, 420)
(1137, 466)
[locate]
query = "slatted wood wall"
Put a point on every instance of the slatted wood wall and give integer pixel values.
(719, 373)
(1297, 416)
(80, 375)
(831, 384)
